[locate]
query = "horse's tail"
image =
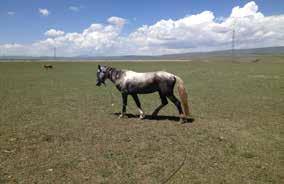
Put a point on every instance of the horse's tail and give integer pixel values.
(183, 96)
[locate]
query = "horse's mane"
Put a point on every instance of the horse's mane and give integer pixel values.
(114, 73)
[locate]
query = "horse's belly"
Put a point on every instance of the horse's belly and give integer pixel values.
(142, 88)
(145, 91)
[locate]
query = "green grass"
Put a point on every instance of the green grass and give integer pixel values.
(56, 126)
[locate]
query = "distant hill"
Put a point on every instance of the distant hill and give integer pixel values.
(239, 52)
(182, 56)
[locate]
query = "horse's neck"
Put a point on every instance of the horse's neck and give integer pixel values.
(114, 74)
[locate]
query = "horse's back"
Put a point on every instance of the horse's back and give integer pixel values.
(165, 75)
(131, 75)
(149, 82)
(138, 77)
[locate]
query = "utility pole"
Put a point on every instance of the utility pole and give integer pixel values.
(235, 29)
(233, 41)
(3, 52)
(54, 53)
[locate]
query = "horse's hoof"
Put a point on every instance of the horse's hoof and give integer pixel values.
(183, 120)
(154, 115)
(141, 117)
(121, 116)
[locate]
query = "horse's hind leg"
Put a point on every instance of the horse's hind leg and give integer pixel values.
(177, 104)
(164, 103)
(137, 101)
(124, 104)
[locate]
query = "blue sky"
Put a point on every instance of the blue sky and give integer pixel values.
(27, 25)
(22, 23)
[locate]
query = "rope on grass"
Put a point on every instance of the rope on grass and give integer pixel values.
(111, 96)
(166, 180)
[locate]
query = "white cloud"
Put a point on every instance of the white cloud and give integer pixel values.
(117, 21)
(12, 49)
(250, 9)
(43, 11)
(187, 32)
(205, 32)
(74, 8)
(11, 46)
(54, 33)
(199, 32)
(11, 13)
(96, 39)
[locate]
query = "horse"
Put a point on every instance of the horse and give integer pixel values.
(133, 83)
(47, 66)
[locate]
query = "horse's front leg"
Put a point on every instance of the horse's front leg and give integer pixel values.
(124, 104)
(137, 101)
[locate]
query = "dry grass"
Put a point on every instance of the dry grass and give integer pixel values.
(56, 126)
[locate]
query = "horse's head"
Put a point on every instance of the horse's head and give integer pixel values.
(101, 75)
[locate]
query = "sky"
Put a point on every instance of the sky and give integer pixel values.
(129, 27)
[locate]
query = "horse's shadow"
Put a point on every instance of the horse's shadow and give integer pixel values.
(158, 118)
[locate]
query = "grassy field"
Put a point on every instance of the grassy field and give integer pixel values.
(56, 126)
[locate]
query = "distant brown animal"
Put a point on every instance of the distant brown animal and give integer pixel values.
(256, 60)
(48, 66)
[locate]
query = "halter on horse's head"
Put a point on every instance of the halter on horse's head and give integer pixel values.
(101, 75)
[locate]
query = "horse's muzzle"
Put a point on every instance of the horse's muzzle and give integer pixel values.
(98, 84)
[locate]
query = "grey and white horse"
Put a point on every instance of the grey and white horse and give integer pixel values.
(134, 83)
